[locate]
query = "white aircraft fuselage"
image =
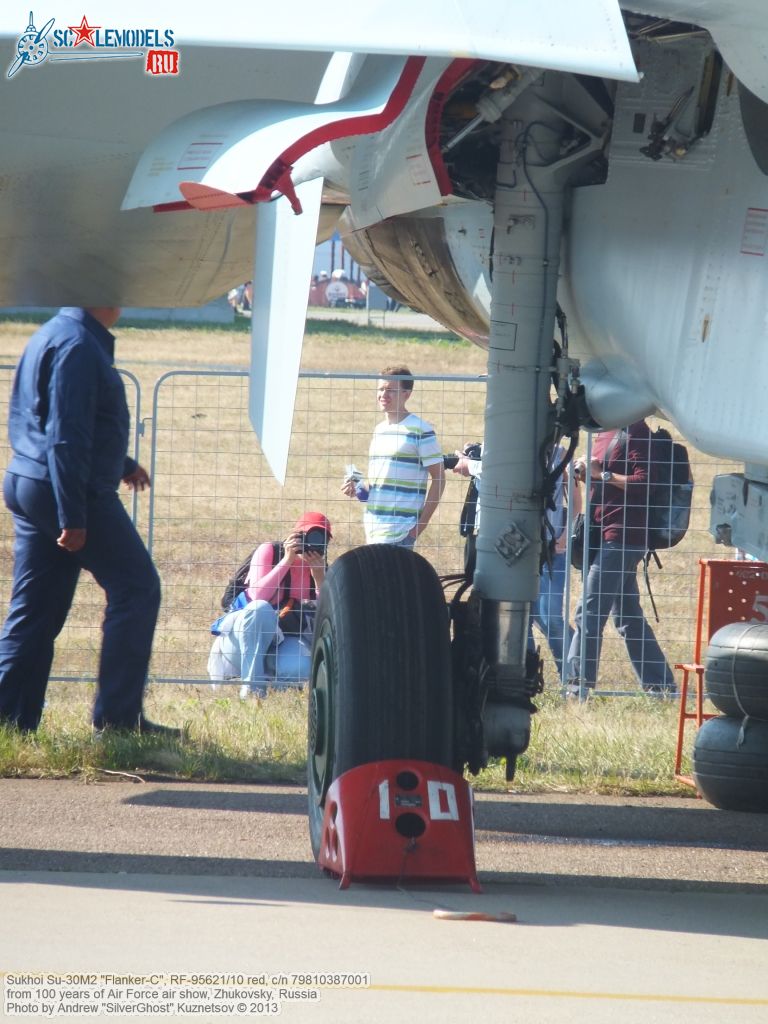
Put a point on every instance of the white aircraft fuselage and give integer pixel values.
(663, 270)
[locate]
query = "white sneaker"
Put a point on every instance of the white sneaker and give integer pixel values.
(574, 692)
(253, 690)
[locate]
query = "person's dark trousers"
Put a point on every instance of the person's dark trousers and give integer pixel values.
(611, 588)
(44, 580)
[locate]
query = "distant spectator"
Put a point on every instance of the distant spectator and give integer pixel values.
(265, 638)
(337, 291)
(317, 289)
(619, 476)
(241, 298)
(405, 467)
(547, 612)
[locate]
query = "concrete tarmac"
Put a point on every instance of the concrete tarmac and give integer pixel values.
(627, 910)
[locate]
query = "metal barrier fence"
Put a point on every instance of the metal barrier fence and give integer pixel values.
(214, 498)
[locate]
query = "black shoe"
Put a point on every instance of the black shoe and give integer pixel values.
(143, 726)
(147, 728)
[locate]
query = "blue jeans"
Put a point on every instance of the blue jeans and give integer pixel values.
(610, 588)
(407, 542)
(547, 612)
(248, 641)
(44, 581)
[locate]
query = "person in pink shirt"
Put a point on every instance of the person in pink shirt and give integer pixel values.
(265, 639)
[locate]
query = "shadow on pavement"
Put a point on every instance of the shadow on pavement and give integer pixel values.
(263, 882)
(221, 800)
(696, 825)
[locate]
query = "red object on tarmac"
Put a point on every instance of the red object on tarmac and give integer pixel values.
(399, 821)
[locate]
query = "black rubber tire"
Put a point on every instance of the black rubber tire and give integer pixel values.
(732, 778)
(380, 685)
(736, 670)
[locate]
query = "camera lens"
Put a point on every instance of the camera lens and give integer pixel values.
(314, 541)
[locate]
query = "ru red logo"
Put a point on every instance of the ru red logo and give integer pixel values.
(162, 62)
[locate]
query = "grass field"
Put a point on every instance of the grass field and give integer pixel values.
(214, 499)
(608, 745)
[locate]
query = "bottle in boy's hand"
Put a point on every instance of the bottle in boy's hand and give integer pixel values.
(355, 476)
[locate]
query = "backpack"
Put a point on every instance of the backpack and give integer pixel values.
(669, 500)
(236, 583)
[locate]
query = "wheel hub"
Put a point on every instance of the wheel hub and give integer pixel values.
(316, 724)
(320, 731)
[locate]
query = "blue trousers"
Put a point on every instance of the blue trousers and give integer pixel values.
(44, 581)
(547, 612)
(248, 638)
(610, 588)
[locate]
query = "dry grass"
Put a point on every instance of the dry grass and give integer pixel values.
(328, 345)
(605, 746)
(224, 739)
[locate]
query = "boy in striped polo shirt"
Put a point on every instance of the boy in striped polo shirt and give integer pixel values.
(405, 467)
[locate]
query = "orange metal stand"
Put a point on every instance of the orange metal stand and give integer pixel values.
(729, 591)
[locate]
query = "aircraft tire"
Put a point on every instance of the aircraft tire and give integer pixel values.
(732, 777)
(736, 670)
(380, 684)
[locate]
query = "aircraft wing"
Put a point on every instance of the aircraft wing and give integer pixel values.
(587, 36)
(211, 156)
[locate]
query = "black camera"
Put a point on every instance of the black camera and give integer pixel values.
(314, 541)
(473, 450)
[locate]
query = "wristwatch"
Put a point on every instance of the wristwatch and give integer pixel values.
(606, 475)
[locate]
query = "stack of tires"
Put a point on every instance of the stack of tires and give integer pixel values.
(730, 755)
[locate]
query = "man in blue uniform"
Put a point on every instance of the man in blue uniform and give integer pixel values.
(69, 426)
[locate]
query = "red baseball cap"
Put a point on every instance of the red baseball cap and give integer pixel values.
(313, 519)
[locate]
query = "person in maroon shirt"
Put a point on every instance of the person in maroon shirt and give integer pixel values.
(621, 475)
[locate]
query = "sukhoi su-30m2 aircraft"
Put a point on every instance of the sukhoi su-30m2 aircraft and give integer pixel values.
(484, 161)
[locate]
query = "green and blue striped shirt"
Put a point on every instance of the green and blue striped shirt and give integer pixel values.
(397, 476)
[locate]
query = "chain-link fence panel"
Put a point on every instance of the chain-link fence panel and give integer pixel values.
(214, 497)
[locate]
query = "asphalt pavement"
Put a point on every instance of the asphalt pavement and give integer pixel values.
(626, 910)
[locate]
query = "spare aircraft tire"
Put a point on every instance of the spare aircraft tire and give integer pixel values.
(380, 684)
(732, 777)
(736, 670)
